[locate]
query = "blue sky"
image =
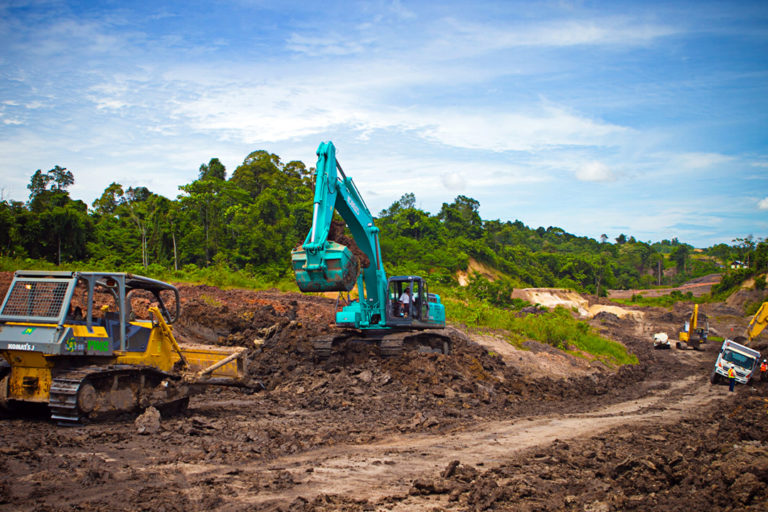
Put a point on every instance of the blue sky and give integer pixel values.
(643, 118)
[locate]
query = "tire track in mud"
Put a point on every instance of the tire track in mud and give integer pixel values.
(388, 467)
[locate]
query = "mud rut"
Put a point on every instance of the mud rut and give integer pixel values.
(469, 431)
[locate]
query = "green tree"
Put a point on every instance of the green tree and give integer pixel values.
(10, 236)
(214, 169)
(109, 200)
(680, 256)
(462, 217)
(745, 246)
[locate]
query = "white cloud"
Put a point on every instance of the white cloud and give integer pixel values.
(271, 111)
(467, 38)
(763, 204)
(515, 131)
(595, 171)
(400, 11)
(326, 45)
(454, 181)
(701, 160)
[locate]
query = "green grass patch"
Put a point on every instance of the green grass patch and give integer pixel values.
(664, 301)
(557, 328)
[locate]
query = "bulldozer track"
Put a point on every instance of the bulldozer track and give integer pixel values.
(83, 393)
(63, 398)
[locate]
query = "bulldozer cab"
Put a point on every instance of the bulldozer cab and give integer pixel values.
(84, 303)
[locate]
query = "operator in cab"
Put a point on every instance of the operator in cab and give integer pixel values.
(405, 302)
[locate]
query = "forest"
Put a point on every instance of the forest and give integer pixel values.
(248, 222)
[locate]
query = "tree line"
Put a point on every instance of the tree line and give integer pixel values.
(251, 219)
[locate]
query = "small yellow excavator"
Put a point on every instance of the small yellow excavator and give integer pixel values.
(60, 348)
(693, 335)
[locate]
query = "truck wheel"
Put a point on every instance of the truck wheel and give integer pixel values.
(714, 378)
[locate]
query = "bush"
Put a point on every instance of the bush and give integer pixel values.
(557, 328)
(750, 308)
(730, 281)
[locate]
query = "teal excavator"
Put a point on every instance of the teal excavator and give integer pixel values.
(391, 312)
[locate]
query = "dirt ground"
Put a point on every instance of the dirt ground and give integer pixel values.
(488, 427)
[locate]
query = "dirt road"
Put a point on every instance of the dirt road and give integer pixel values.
(697, 287)
(389, 467)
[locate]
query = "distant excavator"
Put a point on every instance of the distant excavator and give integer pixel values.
(756, 325)
(693, 335)
(390, 312)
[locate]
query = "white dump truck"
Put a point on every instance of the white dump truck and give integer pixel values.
(744, 360)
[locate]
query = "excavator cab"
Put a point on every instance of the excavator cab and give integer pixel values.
(410, 304)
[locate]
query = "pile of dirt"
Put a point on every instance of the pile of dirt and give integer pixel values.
(715, 461)
(470, 381)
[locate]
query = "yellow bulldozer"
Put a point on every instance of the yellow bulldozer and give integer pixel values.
(94, 343)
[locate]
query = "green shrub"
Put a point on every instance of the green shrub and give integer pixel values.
(750, 308)
(729, 282)
(557, 328)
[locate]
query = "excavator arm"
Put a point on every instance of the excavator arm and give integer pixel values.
(324, 265)
(758, 322)
(690, 329)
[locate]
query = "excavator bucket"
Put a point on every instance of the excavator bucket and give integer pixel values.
(334, 269)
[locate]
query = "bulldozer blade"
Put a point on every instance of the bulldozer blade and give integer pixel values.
(224, 363)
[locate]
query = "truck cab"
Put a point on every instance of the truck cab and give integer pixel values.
(743, 360)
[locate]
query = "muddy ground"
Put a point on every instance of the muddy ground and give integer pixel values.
(479, 429)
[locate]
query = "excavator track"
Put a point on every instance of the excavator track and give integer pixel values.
(391, 344)
(322, 348)
(86, 393)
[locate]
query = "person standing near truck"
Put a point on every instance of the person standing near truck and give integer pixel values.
(763, 370)
(731, 378)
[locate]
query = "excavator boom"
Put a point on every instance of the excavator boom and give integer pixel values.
(325, 265)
